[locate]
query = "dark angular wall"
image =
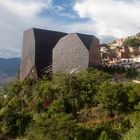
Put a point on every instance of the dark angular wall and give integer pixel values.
(45, 41)
(94, 53)
(92, 44)
(37, 51)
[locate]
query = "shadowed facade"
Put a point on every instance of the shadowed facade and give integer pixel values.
(37, 52)
(75, 52)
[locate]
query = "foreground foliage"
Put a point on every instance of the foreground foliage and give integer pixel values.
(82, 106)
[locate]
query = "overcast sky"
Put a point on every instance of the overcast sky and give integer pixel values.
(103, 18)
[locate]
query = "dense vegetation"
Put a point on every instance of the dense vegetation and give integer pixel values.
(83, 106)
(120, 72)
(132, 42)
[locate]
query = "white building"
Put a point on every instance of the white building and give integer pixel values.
(127, 63)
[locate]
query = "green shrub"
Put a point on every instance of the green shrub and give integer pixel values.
(58, 127)
(114, 98)
(132, 42)
(134, 133)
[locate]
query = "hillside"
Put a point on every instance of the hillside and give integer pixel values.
(8, 68)
(80, 106)
(130, 41)
(10, 65)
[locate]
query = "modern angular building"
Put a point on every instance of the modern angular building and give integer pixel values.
(37, 52)
(75, 52)
(45, 51)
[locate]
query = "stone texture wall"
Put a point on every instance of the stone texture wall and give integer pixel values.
(28, 54)
(70, 54)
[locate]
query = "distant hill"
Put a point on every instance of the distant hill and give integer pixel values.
(8, 68)
(130, 41)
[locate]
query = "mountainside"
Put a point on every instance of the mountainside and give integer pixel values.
(130, 41)
(71, 106)
(8, 69)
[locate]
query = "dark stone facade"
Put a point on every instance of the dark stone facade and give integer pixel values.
(37, 52)
(75, 52)
(45, 51)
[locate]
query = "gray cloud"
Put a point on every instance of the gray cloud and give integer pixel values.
(111, 17)
(107, 18)
(14, 19)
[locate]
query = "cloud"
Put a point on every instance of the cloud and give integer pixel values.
(15, 17)
(111, 17)
(19, 15)
(99, 17)
(26, 8)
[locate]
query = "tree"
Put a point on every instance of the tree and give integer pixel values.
(114, 98)
(58, 127)
(132, 42)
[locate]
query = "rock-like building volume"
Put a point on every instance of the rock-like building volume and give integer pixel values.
(37, 51)
(75, 52)
(43, 49)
